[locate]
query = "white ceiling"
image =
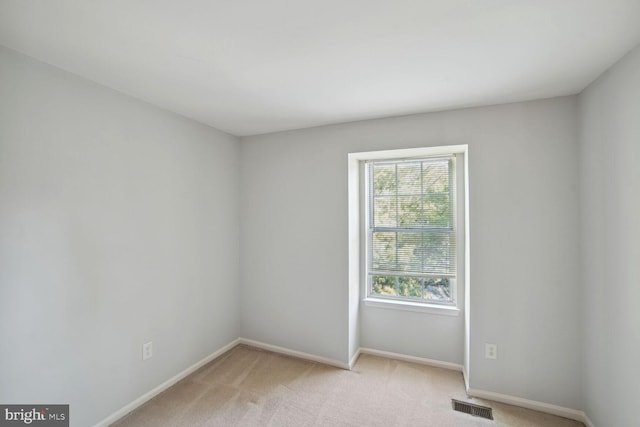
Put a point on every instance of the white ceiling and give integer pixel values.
(257, 66)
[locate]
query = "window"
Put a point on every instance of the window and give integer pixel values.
(408, 229)
(411, 229)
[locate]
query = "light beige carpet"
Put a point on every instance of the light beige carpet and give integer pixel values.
(252, 387)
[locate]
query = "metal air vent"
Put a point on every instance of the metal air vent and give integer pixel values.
(472, 409)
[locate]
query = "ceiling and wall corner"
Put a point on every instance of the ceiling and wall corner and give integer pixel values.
(255, 67)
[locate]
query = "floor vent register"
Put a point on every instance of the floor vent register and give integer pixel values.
(472, 409)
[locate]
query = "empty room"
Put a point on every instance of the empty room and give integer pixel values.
(319, 213)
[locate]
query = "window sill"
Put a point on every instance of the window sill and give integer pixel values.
(412, 306)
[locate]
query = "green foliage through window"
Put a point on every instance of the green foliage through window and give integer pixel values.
(435, 289)
(412, 241)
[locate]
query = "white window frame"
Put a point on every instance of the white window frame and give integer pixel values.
(358, 189)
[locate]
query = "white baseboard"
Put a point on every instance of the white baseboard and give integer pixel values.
(465, 376)
(548, 408)
(294, 353)
(413, 359)
(587, 421)
(354, 359)
(165, 385)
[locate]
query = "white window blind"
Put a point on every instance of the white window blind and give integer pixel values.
(411, 229)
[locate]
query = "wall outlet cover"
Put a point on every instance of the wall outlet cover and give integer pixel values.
(147, 350)
(490, 351)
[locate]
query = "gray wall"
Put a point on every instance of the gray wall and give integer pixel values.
(610, 170)
(118, 225)
(524, 244)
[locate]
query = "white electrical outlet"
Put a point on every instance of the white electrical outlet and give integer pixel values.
(147, 350)
(490, 351)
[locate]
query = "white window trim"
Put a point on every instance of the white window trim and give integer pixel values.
(357, 232)
(422, 307)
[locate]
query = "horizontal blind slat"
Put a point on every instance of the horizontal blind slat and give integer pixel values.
(412, 218)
